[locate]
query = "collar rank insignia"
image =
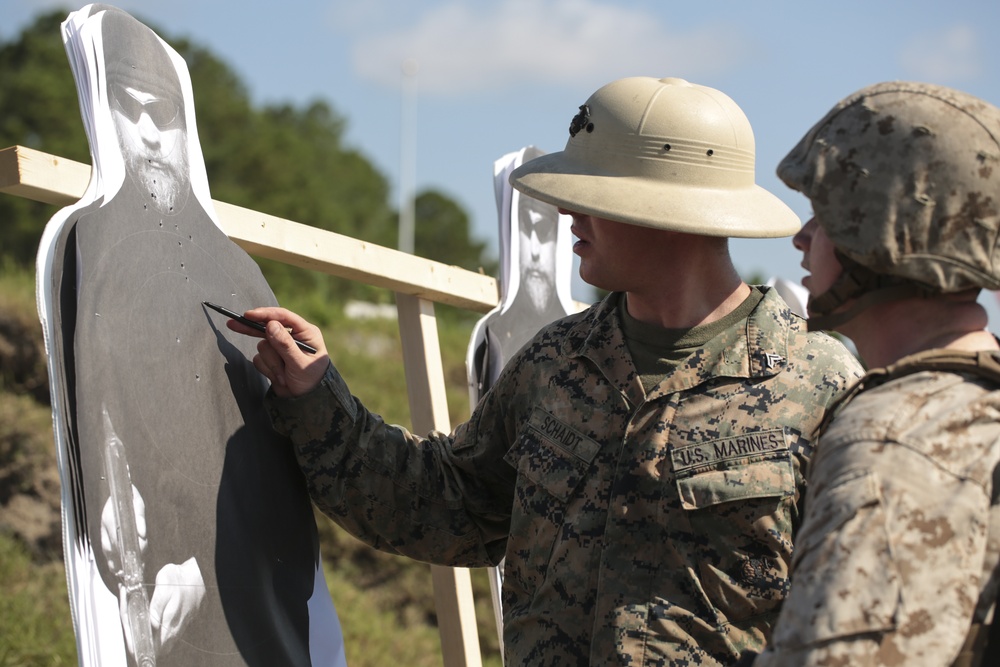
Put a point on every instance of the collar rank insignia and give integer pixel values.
(581, 121)
(772, 359)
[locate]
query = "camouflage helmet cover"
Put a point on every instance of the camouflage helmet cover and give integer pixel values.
(905, 180)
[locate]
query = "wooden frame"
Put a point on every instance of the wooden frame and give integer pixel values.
(418, 284)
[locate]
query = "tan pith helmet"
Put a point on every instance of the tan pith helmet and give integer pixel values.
(661, 153)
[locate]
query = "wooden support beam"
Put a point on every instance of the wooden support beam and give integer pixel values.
(429, 412)
(46, 178)
(39, 176)
(311, 248)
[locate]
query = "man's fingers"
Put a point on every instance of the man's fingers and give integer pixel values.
(269, 363)
(240, 328)
(299, 328)
(282, 340)
(286, 317)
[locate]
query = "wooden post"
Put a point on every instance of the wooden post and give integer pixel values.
(429, 411)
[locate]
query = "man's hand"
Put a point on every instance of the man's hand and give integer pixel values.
(291, 371)
(109, 532)
(179, 593)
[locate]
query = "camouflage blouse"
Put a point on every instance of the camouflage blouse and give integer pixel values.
(638, 529)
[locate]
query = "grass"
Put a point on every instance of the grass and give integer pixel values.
(34, 610)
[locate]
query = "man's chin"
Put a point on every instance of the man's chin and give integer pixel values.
(539, 292)
(164, 190)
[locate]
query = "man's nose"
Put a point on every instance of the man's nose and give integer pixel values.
(535, 244)
(803, 238)
(148, 131)
(799, 241)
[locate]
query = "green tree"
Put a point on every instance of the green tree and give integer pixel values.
(39, 109)
(442, 234)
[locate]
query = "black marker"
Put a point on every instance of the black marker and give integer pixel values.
(256, 325)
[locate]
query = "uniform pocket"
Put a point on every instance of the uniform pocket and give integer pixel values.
(551, 454)
(738, 494)
(751, 465)
(845, 579)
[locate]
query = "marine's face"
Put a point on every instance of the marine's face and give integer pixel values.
(818, 258)
(152, 139)
(616, 256)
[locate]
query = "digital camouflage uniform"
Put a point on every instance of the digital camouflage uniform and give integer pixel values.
(896, 555)
(643, 529)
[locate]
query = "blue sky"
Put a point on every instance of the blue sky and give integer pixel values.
(493, 76)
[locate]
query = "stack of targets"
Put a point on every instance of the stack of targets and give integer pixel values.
(189, 536)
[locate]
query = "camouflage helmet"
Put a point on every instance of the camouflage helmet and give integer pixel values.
(904, 178)
(661, 153)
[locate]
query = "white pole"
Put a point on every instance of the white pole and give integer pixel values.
(408, 157)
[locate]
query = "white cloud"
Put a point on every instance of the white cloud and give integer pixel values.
(948, 56)
(468, 47)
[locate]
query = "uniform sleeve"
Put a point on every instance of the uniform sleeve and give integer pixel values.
(888, 562)
(439, 499)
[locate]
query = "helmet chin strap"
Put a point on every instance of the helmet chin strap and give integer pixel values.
(862, 285)
(830, 321)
